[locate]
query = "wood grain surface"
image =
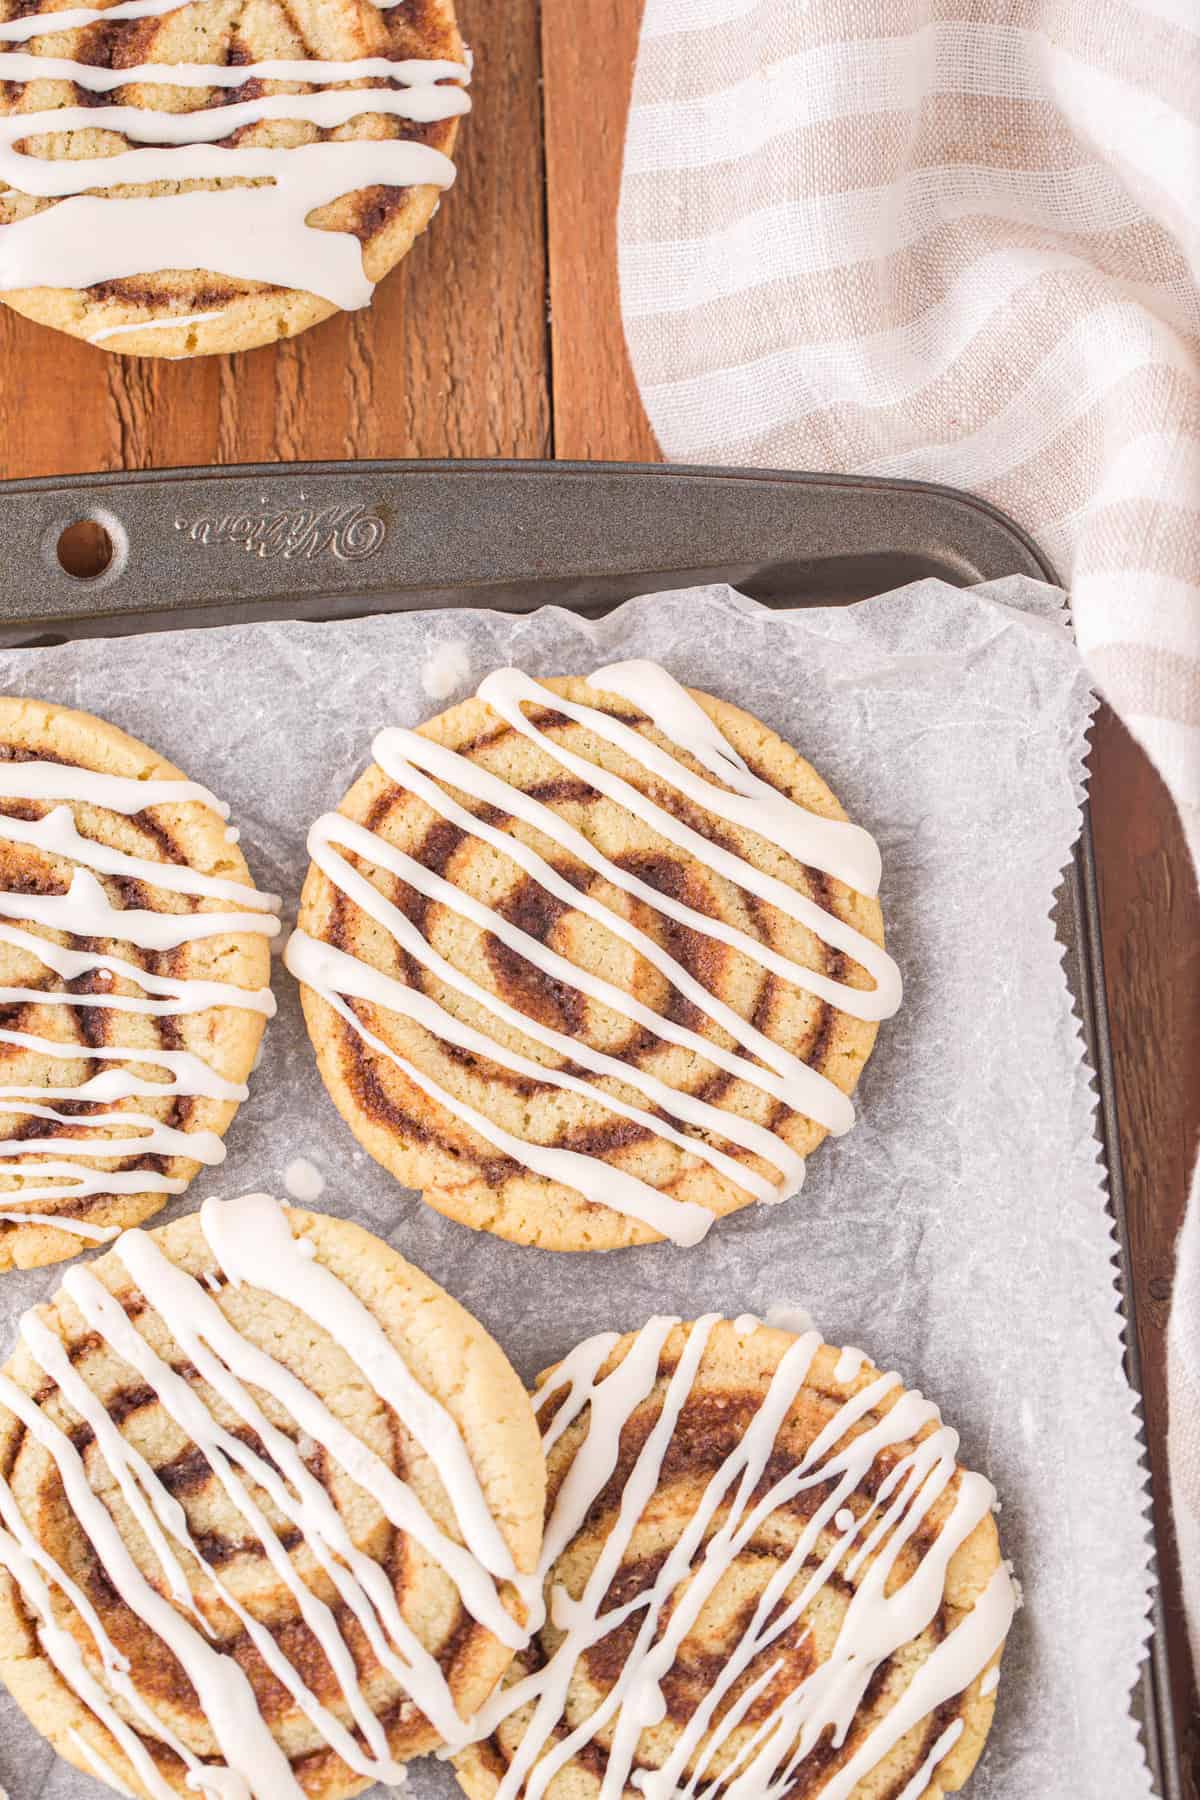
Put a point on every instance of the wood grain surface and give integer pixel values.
(501, 336)
(1151, 924)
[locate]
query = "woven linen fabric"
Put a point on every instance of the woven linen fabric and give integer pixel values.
(958, 242)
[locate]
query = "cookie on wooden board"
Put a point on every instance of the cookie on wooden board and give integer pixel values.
(371, 131)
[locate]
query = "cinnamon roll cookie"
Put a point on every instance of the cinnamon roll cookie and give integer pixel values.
(591, 963)
(235, 172)
(270, 1502)
(766, 1575)
(134, 980)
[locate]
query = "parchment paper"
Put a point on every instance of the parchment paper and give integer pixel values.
(958, 1233)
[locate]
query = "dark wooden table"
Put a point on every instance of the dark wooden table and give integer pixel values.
(501, 336)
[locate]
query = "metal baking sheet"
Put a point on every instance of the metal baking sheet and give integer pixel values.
(198, 547)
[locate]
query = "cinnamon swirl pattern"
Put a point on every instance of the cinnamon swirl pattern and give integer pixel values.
(592, 963)
(766, 1576)
(186, 176)
(270, 1503)
(134, 971)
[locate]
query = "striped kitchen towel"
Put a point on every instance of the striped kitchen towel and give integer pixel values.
(958, 240)
(951, 239)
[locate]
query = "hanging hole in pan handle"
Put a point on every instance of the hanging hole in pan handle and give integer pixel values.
(84, 549)
(90, 550)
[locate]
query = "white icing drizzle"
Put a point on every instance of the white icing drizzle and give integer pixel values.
(107, 1317)
(30, 1567)
(228, 1362)
(991, 1681)
(419, 766)
(245, 1234)
(77, 18)
(792, 1080)
(332, 970)
(863, 1545)
(849, 1365)
(802, 834)
(55, 835)
(914, 1789)
(14, 66)
(86, 911)
(255, 233)
(115, 793)
(166, 132)
(112, 331)
(839, 848)
(103, 1770)
(333, 828)
(224, 1692)
(252, 1241)
(408, 750)
(95, 1234)
(189, 1074)
(684, 1223)
(178, 997)
(155, 1510)
(146, 1134)
(80, 1183)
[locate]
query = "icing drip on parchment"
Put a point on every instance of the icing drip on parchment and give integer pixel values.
(859, 1530)
(249, 232)
(421, 767)
(304, 1181)
(86, 912)
(251, 1241)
